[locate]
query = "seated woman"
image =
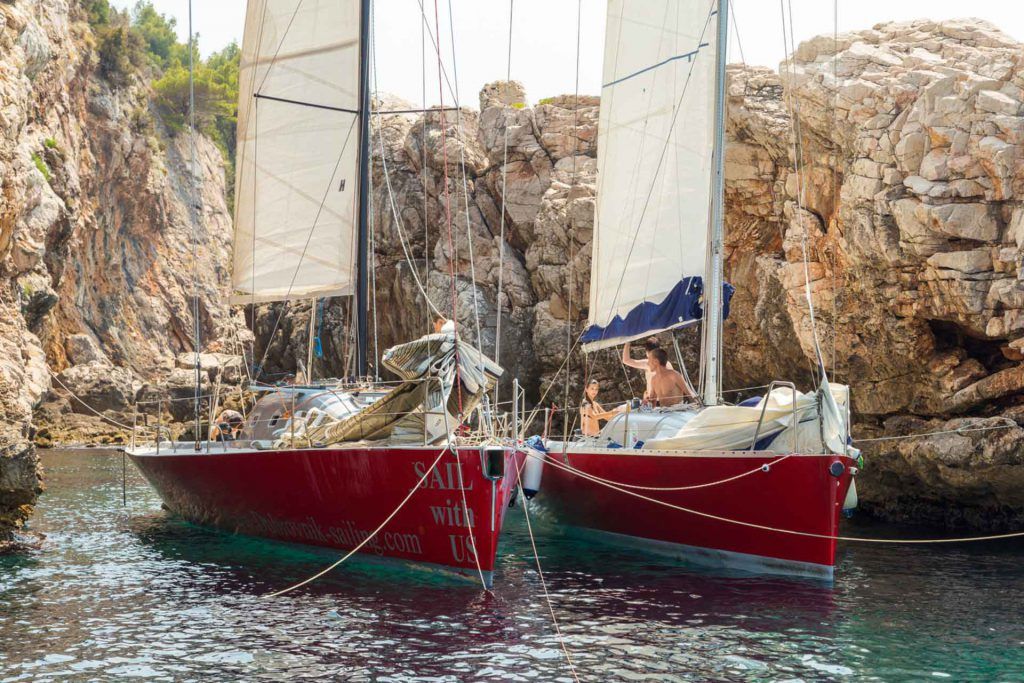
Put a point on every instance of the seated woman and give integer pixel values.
(591, 412)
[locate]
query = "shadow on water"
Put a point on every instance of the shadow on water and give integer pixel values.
(135, 592)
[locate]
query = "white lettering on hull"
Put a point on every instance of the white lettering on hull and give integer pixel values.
(345, 535)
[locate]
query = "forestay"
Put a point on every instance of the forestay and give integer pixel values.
(296, 197)
(655, 146)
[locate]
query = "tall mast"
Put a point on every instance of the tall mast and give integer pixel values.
(713, 290)
(362, 258)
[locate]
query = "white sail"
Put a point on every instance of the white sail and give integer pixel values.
(655, 145)
(297, 187)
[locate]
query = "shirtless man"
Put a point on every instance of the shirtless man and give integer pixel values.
(668, 387)
(627, 359)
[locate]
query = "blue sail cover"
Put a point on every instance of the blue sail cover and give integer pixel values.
(683, 306)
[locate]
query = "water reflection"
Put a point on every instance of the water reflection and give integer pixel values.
(125, 593)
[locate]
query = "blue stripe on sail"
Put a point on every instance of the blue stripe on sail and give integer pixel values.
(681, 306)
(688, 56)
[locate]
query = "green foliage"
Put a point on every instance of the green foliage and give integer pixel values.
(547, 100)
(41, 165)
(212, 99)
(50, 143)
(519, 105)
(98, 11)
(145, 38)
(120, 50)
(158, 34)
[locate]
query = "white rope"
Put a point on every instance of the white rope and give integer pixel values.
(544, 584)
(372, 535)
(465, 505)
(794, 111)
(504, 179)
(960, 430)
(89, 407)
(792, 532)
(391, 201)
(465, 187)
(197, 206)
(692, 487)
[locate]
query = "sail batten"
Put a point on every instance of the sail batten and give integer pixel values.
(297, 187)
(655, 148)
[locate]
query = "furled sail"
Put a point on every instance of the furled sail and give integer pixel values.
(655, 147)
(297, 187)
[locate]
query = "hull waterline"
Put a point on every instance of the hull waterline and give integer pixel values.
(740, 524)
(337, 497)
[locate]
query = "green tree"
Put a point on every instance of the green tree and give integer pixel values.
(212, 99)
(120, 50)
(158, 33)
(98, 12)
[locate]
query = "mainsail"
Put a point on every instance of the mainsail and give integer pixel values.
(297, 188)
(655, 147)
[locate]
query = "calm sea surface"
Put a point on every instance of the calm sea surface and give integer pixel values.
(123, 593)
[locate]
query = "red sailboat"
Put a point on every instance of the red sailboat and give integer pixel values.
(359, 465)
(758, 486)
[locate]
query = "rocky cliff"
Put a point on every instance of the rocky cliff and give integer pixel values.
(903, 183)
(97, 211)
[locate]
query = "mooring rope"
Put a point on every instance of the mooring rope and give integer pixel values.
(540, 574)
(692, 487)
(764, 527)
(372, 535)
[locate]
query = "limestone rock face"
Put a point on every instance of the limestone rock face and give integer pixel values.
(905, 189)
(96, 223)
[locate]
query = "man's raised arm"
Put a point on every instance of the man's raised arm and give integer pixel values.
(628, 360)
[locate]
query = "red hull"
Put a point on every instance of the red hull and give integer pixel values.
(336, 497)
(798, 493)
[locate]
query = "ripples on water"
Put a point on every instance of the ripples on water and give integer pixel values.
(134, 593)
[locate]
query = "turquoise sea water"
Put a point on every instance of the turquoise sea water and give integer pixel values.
(131, 593)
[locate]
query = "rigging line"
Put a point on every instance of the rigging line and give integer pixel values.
(302, 255)
(572, 214)
(962, 430)
(89, 407)
(398, 224)
(434, 41)
(835, 179)
(423, 163)
(465, 187)
(544, 585)
(197, 211)
(280, 44)
(661, 160)
(736, 31)
(794, 107)
(533, 414)
(370, 536)
(406, 249)
(462, 490)
(373, 276)
(791, 532)
(452, 255)
(504, 184)
(691, 487)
